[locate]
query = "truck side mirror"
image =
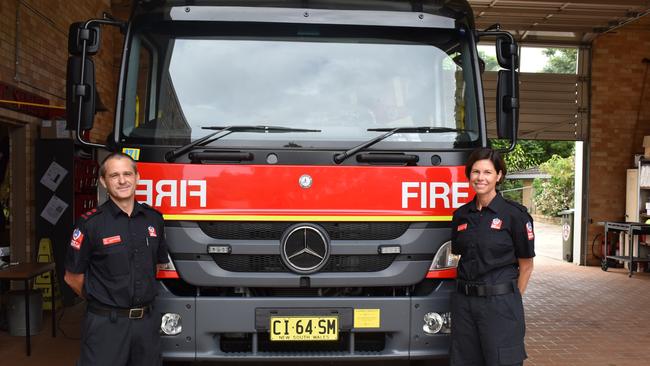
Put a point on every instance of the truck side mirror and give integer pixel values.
(77, 34)
(507, 104)
(506, 49)
(80, 91)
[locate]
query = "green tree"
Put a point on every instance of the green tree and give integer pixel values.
(529, 154)
(516, 160)
(561, 60)
(491, 63)
(555, 194)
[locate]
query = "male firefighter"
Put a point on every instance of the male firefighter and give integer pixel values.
(111, 262)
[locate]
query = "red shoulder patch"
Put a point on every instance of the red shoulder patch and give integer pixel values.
(77, 239)
(529, 231)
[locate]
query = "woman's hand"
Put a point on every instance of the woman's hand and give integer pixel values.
(525, 270)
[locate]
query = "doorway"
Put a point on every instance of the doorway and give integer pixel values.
(5, 189)
(13, 189)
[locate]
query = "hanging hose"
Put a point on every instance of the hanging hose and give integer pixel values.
(593, 243)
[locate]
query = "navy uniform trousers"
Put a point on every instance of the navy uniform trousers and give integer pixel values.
(114, 340)
(490, 328)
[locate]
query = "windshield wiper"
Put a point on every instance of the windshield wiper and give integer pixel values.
(171, 155)
(339, 158)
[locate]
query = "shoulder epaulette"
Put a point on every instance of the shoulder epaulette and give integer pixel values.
(517, 205)
(90, 214)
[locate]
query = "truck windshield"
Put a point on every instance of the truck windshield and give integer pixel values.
(341, 87)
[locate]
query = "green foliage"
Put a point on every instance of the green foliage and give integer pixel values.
(491, 63)
(561, 60)
(551, 195)
(531, 153)
(510, 190)
(555, 194)
(518, 159)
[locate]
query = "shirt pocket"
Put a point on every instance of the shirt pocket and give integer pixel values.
(500, 245)
(114, 260)
(151, 253)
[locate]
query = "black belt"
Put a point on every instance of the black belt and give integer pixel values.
(133, 313)
(476, 289)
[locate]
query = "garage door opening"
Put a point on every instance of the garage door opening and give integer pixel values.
(546, 167)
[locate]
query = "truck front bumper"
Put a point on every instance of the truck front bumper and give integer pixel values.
(224, 328)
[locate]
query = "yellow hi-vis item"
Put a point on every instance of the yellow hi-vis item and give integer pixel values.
(43, 281)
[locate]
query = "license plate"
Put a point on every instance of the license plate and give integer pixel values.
(304, 328)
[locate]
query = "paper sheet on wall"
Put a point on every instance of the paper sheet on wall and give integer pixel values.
(644, 177)
(53, 210)
(53, 176)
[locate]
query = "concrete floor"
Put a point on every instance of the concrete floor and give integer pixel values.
(583, 316)
(548, 240)
(575, 316)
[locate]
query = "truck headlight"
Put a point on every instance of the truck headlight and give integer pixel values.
(437, 323)
(444, 263)
(171, 324)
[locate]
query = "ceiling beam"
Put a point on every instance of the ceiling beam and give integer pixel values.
(606, 3)
(608, 14)
(539, 27)
(528, 22)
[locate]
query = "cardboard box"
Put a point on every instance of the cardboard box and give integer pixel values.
(54, 129)
(646, 145)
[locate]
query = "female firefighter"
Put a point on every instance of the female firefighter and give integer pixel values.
(495, 239)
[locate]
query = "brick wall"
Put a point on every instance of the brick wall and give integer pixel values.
(33, 56)
(616, 132)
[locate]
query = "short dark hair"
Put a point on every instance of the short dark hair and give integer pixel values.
(485, 153)
(116, 155)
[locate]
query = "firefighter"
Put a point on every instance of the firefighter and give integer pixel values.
(111, 262)
(495, 239)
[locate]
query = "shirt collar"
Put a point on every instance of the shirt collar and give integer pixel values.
(115, 210)
(495, 205)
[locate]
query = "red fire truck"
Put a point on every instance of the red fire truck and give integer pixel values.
(307, 157)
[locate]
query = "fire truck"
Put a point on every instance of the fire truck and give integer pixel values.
(307, 157)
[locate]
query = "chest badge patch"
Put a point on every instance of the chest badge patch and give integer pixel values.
(462, 227)
(152, 231)
(77, 239)
(529, 230)
(112, 240)
(496, 224)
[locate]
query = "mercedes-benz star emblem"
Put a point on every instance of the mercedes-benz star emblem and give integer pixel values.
(305, 248)
(305, 181)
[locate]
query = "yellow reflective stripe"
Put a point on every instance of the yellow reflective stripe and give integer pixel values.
(302, 218)
(32, 104)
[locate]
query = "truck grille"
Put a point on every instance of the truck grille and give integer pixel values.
(273, 263)
(236, 230)
(243, 343)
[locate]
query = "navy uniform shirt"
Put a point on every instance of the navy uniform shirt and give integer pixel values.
(490, 240)
(118, 254)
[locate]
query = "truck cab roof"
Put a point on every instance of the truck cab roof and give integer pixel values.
(456, 9)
